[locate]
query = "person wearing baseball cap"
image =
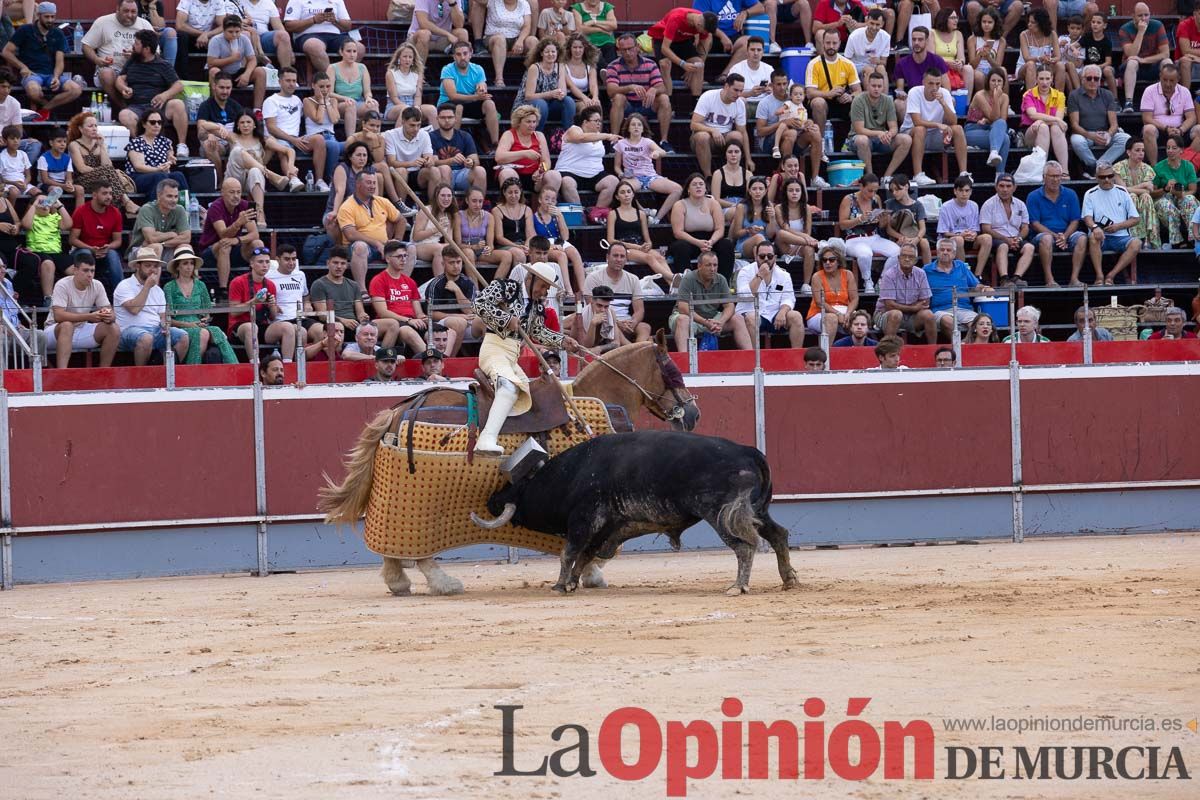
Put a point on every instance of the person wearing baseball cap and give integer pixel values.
(432, 363)
(386, 361)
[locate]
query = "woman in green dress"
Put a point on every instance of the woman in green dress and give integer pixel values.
(188, 293)
(1138, 177)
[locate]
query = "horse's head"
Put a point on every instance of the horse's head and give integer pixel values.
(641, 374)
(682, 413)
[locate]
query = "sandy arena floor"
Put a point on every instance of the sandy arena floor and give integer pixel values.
(321, 685)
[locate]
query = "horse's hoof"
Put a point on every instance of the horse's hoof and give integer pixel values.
(736, 591)
(401, 591)
(791, 582)
(448, 586)
(593, 578)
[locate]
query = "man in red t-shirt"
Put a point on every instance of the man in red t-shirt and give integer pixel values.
(1187, 48)
(253, 293)
(96, 226)
(395, 296)
(1174, 326)
(842, 17)
(682, 39)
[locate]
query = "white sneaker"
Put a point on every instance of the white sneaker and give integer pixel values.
(868, 286)
(820, 183)
(181, 151)
(967, 175)
(922, 179)
(885, 181)
(776, 154)
(805, 290)
(774, 49)
(993, 159)
(321, 186)
(295, 185)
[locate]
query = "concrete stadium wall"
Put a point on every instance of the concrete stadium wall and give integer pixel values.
(157, 482)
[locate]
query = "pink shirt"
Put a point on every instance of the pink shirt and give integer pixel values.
(1031, 99)
(1154, 102)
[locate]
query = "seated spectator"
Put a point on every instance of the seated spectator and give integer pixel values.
(318, 28)
(1136, 176)
(440, 217)
(683, 38)
(909, 73)
(985, 50)
(705, 307)
(1054, 223)
(523, 153)
(544, 85)
(148, 83)
(1145, 45)
(93, 167)
(46, 223)
(108, 43)
(730, 36)
(1173, 328)
(397, 301)
(292, 295)
(958, 221)
(163, 223)
(1097, 333)
(327, 346)
(596, 20)
(932, 122)
(366, 342)
(197, 23)
(831, 82)
(368, 221)
(11, 113)
(153, 12)
(508, 28)
(140, 307)
(904, 299)
(1005, 219)
(987, 120)
(628, 222)
(887, 353)
(776, 300)
(815, 359)
(270, 370)
(581, 160)
(860, 217)
(96, 228)
(947, 41)
(54, 168)
(718, 119)
(859, 327)
(1187, 48)
(1072, 51)
(477, 230)
(1167, 110)
(579, 58)
(148, 157)
(188, 293)
(901, 201)
(1028, 319)
(436, 24)
(464, 85)
(549, 224)
(351, 86)
(951, 284)
(793, 221)
(634, 159)
(451, 299)
(252, 293)
(754, 219)
(1109, 214)
(729, 181)
(405, 84)
(16, 172)
(874, 127)
(1093, 122)
(1176, 179)
(81, 316)
(1040, 51)
(634, 85)
(869, 46)
(594, 325)
(386, 361)
(756, 72)
(982, 331)
(945, 358)
(698, 225)
(37, 51)
(837, 16)
(456, 157)
(782, 126)
(433, 360)
(627, 307)
(262, 23)
(282, 113)
(334, 292)
(1097, 50)
(249, 158)
(215, 120)
(232, 53)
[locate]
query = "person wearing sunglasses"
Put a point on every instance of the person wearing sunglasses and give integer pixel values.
(148, 157)
(1108, 214)
(776, 298)
(1092, 118)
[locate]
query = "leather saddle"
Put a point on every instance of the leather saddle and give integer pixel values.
(548, 411)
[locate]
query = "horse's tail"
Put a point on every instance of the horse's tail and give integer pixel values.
(346, 502)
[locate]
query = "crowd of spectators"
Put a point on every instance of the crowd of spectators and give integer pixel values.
(407, 180)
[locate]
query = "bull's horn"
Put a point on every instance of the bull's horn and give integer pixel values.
(503, 519)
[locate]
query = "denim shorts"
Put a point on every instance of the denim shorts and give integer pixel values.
(130, 336)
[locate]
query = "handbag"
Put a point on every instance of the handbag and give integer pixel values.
(401, 10)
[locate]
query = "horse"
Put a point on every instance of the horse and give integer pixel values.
(634, 376)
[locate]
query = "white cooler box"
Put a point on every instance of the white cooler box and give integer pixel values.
(116, 137)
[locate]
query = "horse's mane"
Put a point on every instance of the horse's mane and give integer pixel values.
(616, 357)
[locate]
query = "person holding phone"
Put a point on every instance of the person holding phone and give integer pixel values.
(229, 232)
(1175, 192)
(320, 27)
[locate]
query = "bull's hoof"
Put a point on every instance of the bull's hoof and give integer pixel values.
(593, 578)
(790, 582)
(559, 588)
(736, 590)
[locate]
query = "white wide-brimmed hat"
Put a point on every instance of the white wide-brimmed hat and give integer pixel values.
(544, 271)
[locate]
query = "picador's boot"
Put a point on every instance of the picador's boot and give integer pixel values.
(502, 403)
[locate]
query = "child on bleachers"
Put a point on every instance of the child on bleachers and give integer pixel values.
(15, 169)
(1072, 50)
(792, 109)
(556, 22)
(55, 169)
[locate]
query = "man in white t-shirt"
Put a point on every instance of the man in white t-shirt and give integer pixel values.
(868, 47)
(627, 306)
(320, 27)
(140, 304)
(756, 72)
(261, 22)
(409, 151)
(109, 43)
(291, 291)
(929, 110)
(80, 315)
(282, 113)
(197, 22)
(718, 119)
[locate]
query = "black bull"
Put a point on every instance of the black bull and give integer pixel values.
(613, 488)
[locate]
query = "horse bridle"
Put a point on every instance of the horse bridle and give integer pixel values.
(681, 397)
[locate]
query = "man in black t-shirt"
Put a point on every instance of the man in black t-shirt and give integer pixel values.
(147, 81)
(214, 123)
(451, 297)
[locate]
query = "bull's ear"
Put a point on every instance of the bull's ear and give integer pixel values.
(660, 339)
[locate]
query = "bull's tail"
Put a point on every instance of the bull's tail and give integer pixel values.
(346, 502)
(739, 518)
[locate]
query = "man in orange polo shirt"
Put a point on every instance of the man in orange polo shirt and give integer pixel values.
(368, 222)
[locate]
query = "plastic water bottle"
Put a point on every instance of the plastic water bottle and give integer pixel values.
(77, 39)
(309, 185)
(828, 138)
(53, 196)
(193, 209)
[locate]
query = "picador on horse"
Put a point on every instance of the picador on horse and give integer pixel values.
(506, 308)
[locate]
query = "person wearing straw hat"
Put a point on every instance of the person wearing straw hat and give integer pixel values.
(187, 292)
(140, 303)
(506, 308)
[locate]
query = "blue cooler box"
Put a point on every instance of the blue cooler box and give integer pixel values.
(994, 307)
(572, 214)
